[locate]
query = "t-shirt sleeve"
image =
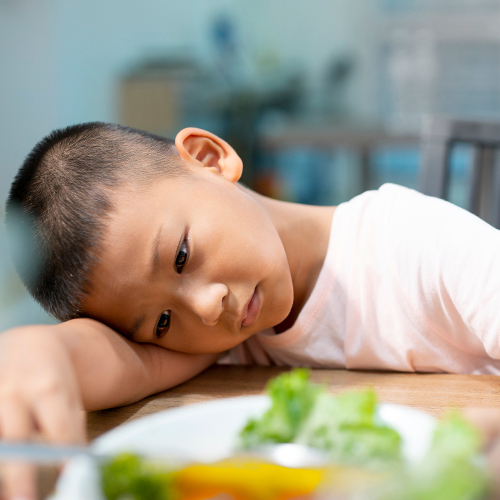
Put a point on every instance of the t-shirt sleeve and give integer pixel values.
(446, 262)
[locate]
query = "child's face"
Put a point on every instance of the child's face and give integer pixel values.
(235, 280)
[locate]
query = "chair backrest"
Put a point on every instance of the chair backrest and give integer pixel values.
(438, 137)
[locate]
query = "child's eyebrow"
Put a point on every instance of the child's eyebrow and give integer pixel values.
(155, 259)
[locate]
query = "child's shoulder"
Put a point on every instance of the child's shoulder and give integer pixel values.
(395, 204)
(408, 227)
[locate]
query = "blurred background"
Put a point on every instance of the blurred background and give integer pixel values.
(322, 99)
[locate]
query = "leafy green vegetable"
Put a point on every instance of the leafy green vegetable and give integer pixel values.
(344, 426)
(455, 438)
(293, 397)
(449, 471)
(129, 477)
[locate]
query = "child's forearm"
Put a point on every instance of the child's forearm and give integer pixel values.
(50, 373)
(113, 371)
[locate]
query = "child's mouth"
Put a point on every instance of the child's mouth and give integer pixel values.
(253, 309)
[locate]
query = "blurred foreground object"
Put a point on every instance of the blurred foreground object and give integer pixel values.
(17, 307)
(439, 136)
(362, 456)
(240, 477)
(450, 471)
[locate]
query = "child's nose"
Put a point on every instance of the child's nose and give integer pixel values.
(208, 302)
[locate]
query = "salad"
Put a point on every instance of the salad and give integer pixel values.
(344, 427)
(347, 429)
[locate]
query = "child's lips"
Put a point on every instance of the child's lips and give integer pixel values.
(252, 310)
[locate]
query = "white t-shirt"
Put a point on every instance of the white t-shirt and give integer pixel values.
(409, 283)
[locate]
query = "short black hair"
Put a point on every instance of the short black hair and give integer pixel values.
(61, 199)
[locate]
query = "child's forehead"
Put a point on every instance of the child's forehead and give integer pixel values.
(190, 190)
(139, 209)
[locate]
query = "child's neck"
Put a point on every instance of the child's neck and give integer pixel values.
(305, 232)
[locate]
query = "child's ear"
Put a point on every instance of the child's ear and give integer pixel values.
(202, 148)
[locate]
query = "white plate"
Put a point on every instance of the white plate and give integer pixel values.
(208, 431)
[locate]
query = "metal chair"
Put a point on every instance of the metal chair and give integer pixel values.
(438, 137)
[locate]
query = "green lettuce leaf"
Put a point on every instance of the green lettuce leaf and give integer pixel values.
(293, 396)
(344, 426)
(451, 469)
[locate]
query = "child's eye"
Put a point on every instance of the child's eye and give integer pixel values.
(181, 258)
(163, 324)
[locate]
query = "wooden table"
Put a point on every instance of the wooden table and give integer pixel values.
(431, 392)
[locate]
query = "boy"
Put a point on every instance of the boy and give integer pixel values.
(160, 244)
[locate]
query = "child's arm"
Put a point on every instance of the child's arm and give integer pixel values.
(114, 371)
(108, 370)
(50, 373)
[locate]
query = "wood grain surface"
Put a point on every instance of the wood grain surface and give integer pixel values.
(434, 393)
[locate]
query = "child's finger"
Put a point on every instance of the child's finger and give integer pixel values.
(18, 481)
(60, 420)
(16, 424)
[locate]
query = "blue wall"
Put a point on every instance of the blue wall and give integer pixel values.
(60, 60)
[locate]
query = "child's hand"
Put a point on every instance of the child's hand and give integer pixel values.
(50, 374)
(39, 395)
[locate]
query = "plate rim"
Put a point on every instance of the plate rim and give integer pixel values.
(178, 412)
(127, 429)
(80, 473)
